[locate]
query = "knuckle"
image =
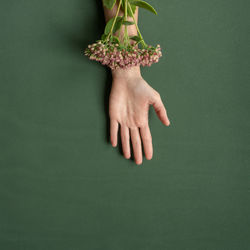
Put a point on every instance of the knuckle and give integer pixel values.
(157, 95)
(122, 123)
(139, 122)
(136, 143)
(132, 127)
(148, 139)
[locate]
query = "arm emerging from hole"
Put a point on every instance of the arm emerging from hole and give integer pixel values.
(129, 102)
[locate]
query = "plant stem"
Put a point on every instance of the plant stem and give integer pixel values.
(125, 19)
(116, 15)
(137, 28)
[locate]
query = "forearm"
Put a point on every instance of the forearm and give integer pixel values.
(131, 30)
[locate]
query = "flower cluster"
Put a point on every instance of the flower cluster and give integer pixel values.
(116, 56)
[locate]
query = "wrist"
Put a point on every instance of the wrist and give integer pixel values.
(134, 71)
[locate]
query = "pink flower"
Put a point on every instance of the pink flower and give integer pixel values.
(115, 57)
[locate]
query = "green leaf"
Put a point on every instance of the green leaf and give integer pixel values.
(133, 7)
(116, 39)
(118, 23)
(103, 37)
(127, 23)
(109, 3)
(135, 38)
(109, 26)
(144, 5)
(123, 4)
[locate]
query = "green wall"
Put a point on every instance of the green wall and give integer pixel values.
(62, 186)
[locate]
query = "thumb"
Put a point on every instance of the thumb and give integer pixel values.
(160, 109)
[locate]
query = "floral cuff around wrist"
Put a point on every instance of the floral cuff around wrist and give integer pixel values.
(129, 51)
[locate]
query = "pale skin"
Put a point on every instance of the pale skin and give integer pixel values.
(129, 102)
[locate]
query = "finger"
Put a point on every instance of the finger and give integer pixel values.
(136, 142)
(113, 132)
(147, 142)
(125, 142)
(161, 111)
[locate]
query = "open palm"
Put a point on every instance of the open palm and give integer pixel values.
(129, 102)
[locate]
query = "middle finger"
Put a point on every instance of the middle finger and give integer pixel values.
(136, 142)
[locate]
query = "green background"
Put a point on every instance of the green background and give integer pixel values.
(62, 186)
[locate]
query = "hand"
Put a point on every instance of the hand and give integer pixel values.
(129, 102)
